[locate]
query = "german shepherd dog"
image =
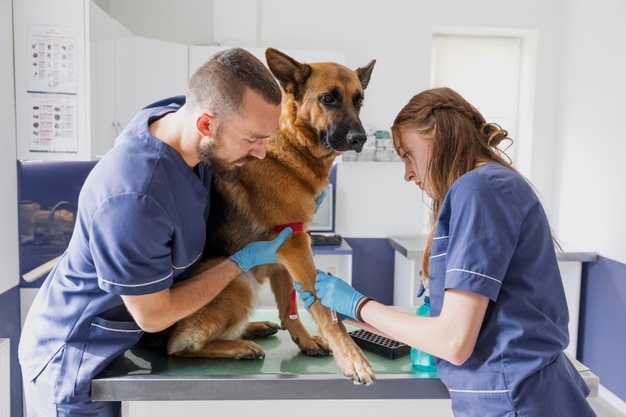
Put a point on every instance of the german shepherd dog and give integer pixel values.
(319, 120)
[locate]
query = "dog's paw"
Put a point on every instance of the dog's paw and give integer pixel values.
(313, 346)
(356, 367)
(249, 350)
(260, 329)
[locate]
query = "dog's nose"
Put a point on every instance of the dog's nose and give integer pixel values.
(356, 139)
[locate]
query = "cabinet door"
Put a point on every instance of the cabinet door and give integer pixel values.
(102, 83)
(9, 209)
(160, 70)
(126, 78)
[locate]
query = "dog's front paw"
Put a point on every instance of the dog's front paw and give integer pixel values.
(358, 370)
(260, 329)
(249, 350)
(313, 346)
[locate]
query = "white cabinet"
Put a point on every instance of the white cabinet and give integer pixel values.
(127, 73)
(407, 264)
(102, 78)
(9, 244)
(96, 75)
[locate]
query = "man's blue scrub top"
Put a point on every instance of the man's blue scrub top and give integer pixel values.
(140, 227)
(493, 238)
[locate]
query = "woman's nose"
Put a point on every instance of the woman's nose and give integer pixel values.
(409, 175)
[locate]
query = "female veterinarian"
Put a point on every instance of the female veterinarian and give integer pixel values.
(140, 230)
(499, 318)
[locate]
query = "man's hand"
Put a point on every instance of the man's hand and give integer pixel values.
(260, 253)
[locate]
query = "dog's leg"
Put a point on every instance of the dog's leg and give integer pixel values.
(282, 286)
(297, 257)
(214, 330)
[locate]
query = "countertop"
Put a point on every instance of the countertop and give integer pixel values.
(412, 246)
(284, 373)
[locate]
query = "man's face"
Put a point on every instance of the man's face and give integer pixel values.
(243, 139)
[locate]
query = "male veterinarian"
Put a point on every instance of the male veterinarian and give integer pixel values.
(140, 229)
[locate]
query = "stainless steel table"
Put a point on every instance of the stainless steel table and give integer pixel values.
(284, 373)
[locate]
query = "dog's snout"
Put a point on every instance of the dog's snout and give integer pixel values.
(356, 139)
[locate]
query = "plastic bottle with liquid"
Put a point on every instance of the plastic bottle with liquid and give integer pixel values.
(423, 361)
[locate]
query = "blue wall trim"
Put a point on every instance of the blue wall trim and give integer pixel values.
(372, 267)
(602, 332)
(10, 327)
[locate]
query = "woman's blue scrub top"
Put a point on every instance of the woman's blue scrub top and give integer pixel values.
(493, 238)
(140, 226)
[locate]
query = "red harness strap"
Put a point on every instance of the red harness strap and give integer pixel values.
(297, 227)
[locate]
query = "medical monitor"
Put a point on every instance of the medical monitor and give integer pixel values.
(324, 217)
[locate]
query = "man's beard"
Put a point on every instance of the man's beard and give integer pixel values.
(208, 153)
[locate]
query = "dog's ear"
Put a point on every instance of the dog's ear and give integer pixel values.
(290, 73)
(365, 73)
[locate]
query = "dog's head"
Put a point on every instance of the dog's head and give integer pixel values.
(324, 99)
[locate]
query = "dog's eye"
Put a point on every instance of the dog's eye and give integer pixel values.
(327, 98)
(358, 103)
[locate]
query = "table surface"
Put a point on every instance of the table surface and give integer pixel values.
(284, 373)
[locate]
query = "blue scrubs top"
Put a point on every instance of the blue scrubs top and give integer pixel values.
(140, 227)
(493, 238)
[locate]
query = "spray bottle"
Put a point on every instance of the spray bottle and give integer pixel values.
(423, 361)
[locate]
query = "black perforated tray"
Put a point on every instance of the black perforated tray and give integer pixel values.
(379, 345)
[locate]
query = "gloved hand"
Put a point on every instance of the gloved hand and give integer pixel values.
(260, 253)
(306, 297)
(319, 199)
(333, 293)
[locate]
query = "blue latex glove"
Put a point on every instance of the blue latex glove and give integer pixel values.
(333, 293)
(260, 253)
(319, 199)
(306, 297)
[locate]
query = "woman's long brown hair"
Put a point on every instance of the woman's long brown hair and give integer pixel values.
(461, 141)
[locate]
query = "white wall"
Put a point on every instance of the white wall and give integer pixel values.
(8, 168)
(187, 21)
(398, 35)
(592, 108)
(577, 95)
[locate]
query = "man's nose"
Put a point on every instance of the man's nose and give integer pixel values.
(259, 149)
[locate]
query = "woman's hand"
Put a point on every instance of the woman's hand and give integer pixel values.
(333, 293)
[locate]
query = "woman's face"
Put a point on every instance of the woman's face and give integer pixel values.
(415, 153)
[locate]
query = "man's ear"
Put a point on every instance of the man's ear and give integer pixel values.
(206, 123)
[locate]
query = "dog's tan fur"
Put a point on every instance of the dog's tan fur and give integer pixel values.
(319, 119)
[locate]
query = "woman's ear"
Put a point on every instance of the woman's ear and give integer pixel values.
(205, 123)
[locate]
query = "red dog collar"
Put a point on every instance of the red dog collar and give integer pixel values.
(297, 227)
